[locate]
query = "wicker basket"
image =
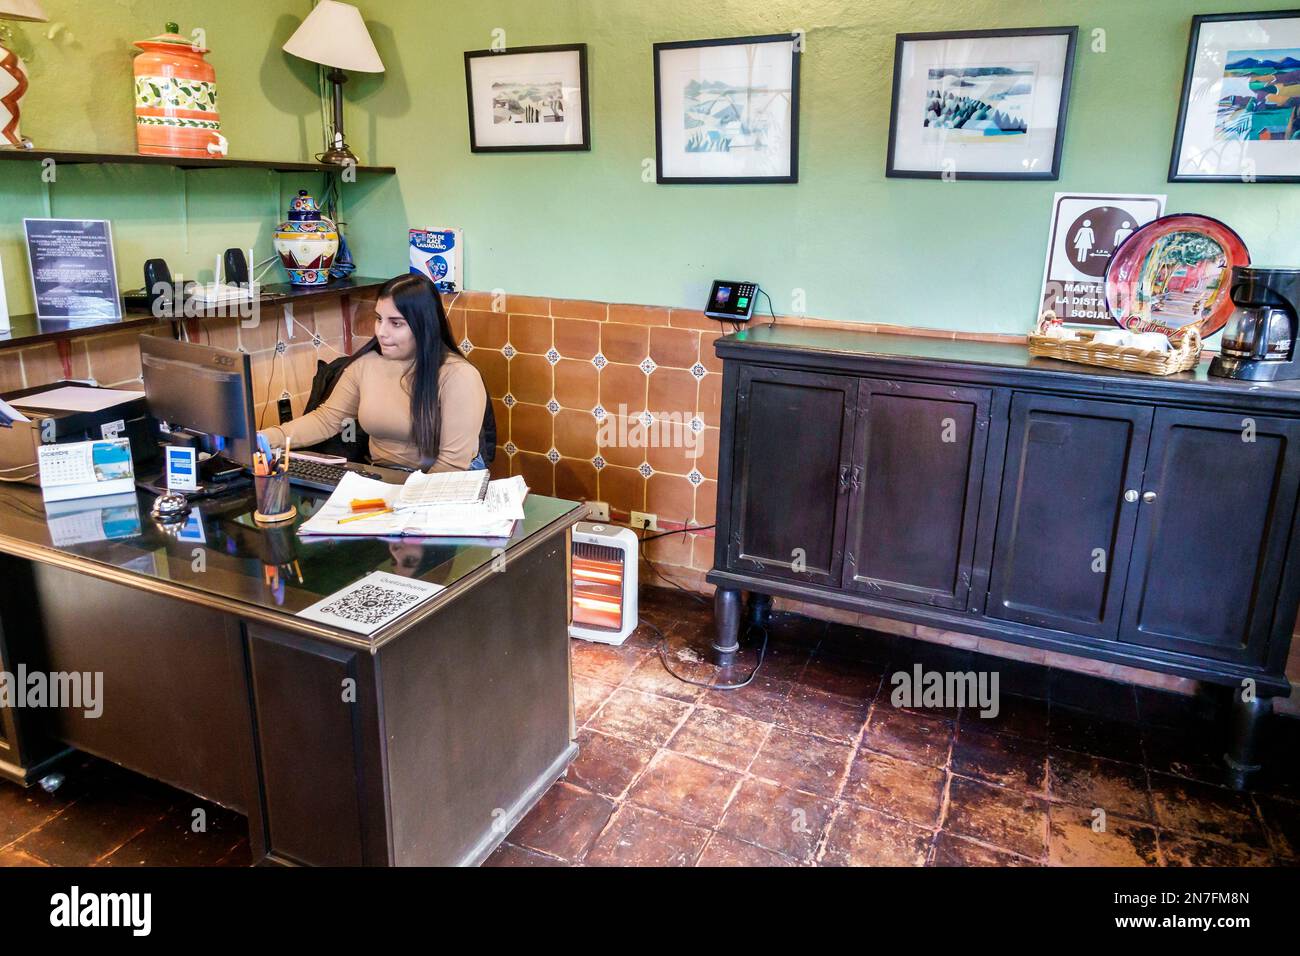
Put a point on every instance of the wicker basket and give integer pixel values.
(1183, 355)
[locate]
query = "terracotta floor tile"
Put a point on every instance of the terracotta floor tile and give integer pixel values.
(900, 788)
(1118, 788)
(12, 857)
(952, 850)
(508, 854)
(863, 837)
(846, 640)
(640, 717)
(776, 818)
(1002, 818)
(847, 678)
(1019, 678)
(605, 662)
(638, 837)
(99, 822)
(1205, 812)
(726, 851)
(1091, 734)
(785, 661)
(1282, 824)
(720, 737)
(1194, 751)
(999, 758)
(651, 677)
(1180, 849)
(1072, 839)
(607, 765)
(588, 695)
(761, 700)
(565, 822)
(687, 789)
(802, 761)
(173, 841)
(901, 733)
(826, 715)
(1018, 716)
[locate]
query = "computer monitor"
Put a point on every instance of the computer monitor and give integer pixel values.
(202, 389)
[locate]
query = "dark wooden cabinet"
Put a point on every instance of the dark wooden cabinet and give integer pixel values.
(793, 434)
(915, 470)
(966, 486)
(1217, 506)
(1065, 531)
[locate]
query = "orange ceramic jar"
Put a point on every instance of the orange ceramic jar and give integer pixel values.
(176, 98)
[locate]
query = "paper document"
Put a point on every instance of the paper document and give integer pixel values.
(77, 398)
(493, 517)
(367, 605)
(444, 488)
(9, 414)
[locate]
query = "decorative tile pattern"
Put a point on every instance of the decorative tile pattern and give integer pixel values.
(697, 424)
(466, 346)
(647, 419)
(281, 347)
(695, 477)
(508, 350)
(553, 407)
(646, 470)
(599, 360)
(510, 448)
(552, 356)
(699, 371)
(648, 365)
(598, 462)
(509, 400)
(316, 340)
(553, 456)
(599, 413)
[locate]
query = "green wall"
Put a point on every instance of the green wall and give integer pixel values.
(585, 225)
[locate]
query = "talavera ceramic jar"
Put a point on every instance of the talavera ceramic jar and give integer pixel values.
(176, 98)
(307, 242)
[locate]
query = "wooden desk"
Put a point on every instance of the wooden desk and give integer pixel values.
(423, 743)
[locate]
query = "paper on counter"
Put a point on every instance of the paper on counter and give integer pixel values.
(367, 605)
(77, 398)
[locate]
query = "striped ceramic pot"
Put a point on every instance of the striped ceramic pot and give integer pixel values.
(176, 98)
(307, 242)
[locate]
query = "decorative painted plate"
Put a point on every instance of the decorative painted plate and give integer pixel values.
(1174, 273)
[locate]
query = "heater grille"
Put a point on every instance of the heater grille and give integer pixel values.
(598, 573)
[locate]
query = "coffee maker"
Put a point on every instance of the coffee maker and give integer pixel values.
(1259, 341)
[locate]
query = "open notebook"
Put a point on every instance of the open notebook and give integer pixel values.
(493, 517)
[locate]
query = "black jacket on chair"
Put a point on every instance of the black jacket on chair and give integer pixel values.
(322, 384)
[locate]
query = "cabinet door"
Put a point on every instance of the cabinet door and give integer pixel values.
(1218, 501)
(793, 432)
(918, 464)
(1065, 531)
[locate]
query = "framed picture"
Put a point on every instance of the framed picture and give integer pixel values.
(1239, 118)
(980, 104)
(727, 111)
(528, 99)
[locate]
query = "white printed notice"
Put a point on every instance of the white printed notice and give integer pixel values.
(1087, 229)
(367, 605)
(74, 275)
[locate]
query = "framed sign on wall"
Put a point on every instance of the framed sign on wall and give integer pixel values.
(528, 99)
(1239, 118)
(727, 111)
(980, 104)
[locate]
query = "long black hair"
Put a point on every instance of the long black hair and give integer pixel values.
(420, 305)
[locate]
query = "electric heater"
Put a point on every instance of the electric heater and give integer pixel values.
(604, 583)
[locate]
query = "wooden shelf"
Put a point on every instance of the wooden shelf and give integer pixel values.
(179, 162)
(28, 330)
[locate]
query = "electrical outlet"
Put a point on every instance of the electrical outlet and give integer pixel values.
(597, 510)
(647, 521)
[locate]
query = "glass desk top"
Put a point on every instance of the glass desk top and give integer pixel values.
(222, 552)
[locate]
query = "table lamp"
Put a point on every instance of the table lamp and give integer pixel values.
(13, 78)
(334, 35)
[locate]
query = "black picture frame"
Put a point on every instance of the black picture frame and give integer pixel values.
(585, 110)
(1072, 32)
(1189, 74)
(796, 55)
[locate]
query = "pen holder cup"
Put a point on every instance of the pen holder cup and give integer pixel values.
(273, 504)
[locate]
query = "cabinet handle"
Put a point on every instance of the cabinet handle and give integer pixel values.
(855, 478)
(1148, 496)
(844, 478)
(1131, 495)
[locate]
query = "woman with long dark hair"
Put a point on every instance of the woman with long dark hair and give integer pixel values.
(409, 388)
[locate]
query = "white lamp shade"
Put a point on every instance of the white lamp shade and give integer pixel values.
(22, 10)
(333, 35)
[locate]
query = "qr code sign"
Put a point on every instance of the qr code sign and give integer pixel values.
(371, 604)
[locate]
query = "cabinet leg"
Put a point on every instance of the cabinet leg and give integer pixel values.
(1242, 757)
(759, 611)
(726, 623)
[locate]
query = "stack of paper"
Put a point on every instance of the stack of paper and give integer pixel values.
(493, 517)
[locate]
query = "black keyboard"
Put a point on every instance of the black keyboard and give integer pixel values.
(322, 477)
